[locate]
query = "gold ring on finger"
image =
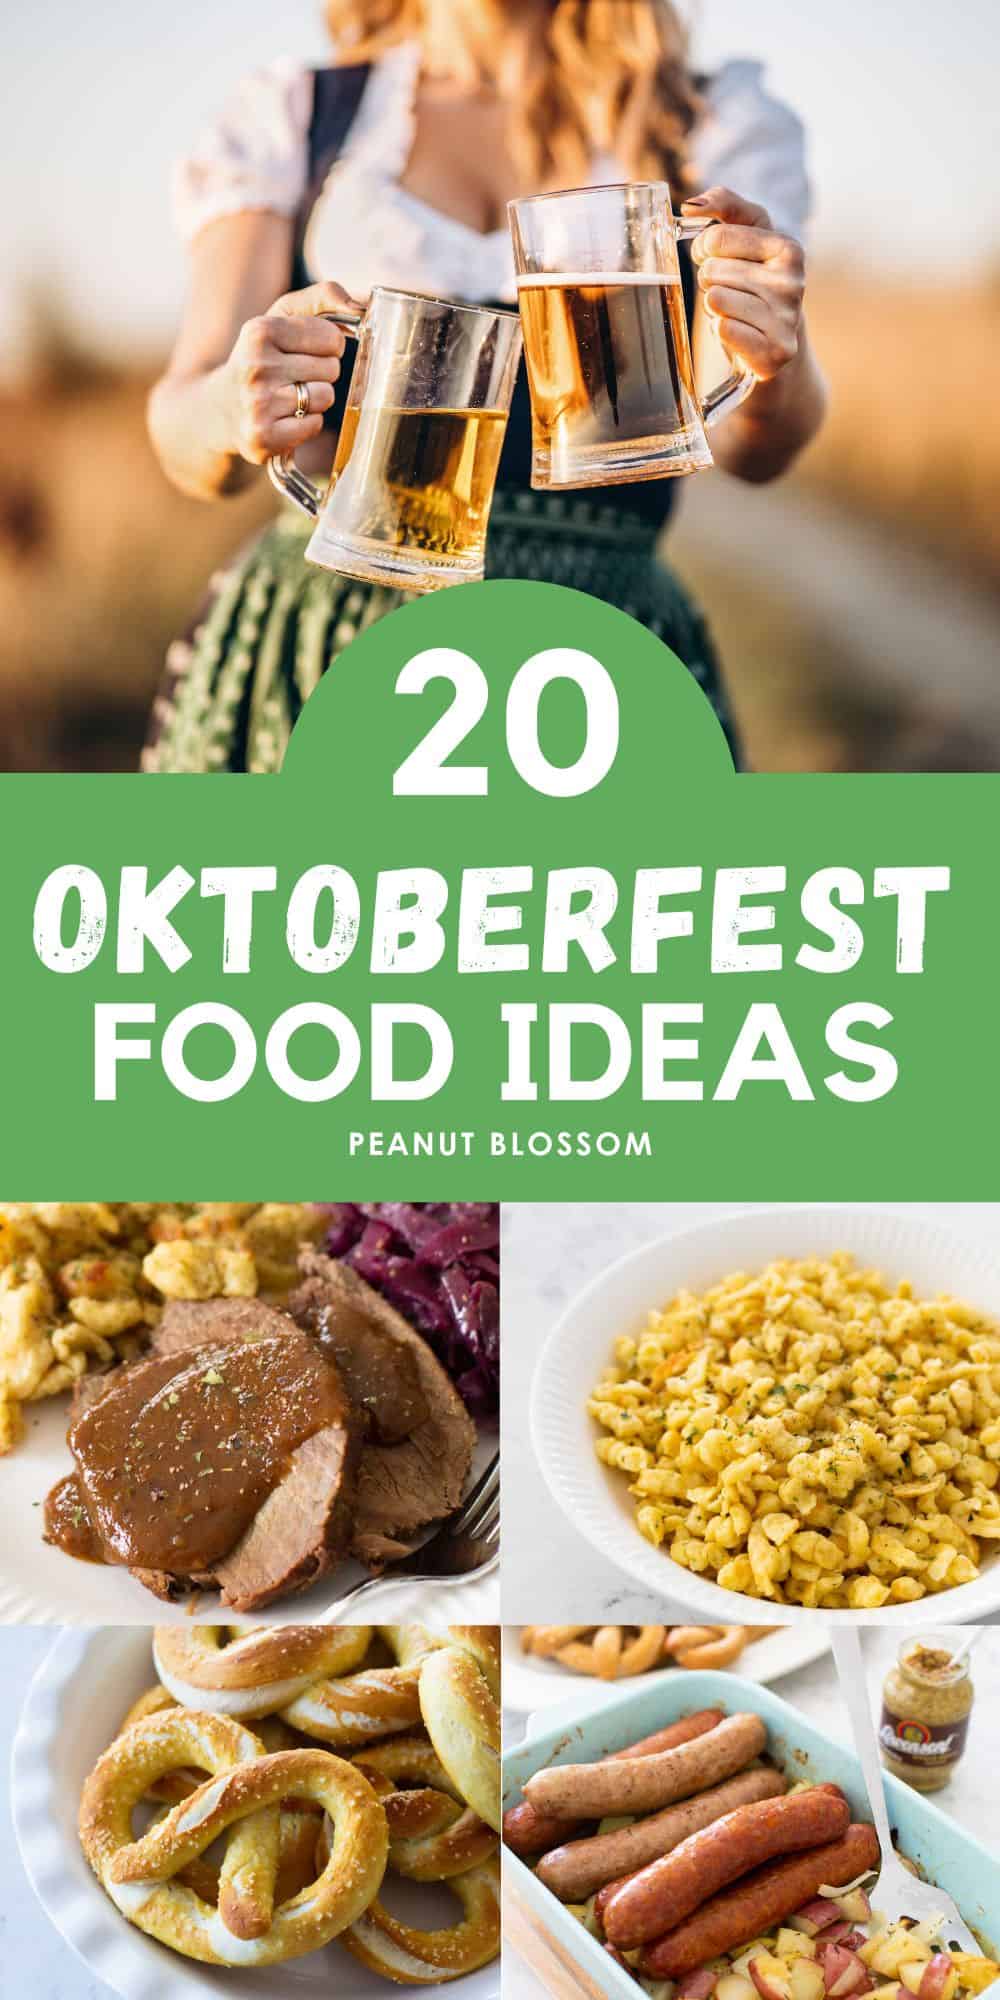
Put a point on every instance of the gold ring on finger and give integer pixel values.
(301, 398)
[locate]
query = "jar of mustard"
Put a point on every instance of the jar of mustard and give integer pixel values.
(926, 1703)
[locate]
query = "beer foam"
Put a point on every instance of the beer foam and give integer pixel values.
(528, 280)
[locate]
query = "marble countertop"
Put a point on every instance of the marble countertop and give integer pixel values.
(550, 1252)
(970, 1796)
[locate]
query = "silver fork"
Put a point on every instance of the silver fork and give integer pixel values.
(465, 1548)
(897, 1893)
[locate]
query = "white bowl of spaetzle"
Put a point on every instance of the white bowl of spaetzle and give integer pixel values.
(787, 1412)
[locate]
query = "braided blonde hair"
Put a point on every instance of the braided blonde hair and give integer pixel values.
(603, 76)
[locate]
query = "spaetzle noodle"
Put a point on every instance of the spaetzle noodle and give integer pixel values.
(811, 1435)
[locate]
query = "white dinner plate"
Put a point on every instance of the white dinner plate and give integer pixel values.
(596, 1500)
(531, 1684)
(71, 1712)
(40, 1585)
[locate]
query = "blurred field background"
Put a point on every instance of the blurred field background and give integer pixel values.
(857, 604)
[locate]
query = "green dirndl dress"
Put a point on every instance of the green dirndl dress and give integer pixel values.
(273, 623)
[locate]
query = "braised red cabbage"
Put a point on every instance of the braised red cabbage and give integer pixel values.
(438, 1263)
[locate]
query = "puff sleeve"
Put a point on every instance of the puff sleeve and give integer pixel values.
(254, 157)
(755, 144)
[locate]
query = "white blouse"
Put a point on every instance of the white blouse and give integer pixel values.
(366, 229)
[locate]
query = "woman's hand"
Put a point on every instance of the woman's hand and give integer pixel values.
(752, 280)
(289, 344)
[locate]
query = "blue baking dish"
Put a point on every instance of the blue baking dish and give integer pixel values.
(560, 1949)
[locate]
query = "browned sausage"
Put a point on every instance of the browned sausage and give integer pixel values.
(527, 1831)
(758, 1903)
(640, 1784)
(573, 1872)
(662, 1895)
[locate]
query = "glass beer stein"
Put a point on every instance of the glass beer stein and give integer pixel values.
(419, 443)
(613, 395)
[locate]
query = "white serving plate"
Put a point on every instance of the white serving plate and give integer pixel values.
(531, 1685)
(596, 1499)
(40, 1585)
(71, 1712)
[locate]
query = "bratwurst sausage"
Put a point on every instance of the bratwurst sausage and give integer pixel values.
(640, 1784)
(527, 1831)
(758, 1903)
(573, 1872)
(662, 1895)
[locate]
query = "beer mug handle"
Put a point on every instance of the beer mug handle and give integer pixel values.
(728, 395)
(283, 472)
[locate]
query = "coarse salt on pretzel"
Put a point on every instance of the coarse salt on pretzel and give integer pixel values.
(243, 1796)
(482, 1641)
(377, 1701)
(296, 1860)
(433, 1834)
(423, 1958)
(463, 1723)
(256, 1672)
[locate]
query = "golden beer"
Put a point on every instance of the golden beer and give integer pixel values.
(612, 384)
(420, 480)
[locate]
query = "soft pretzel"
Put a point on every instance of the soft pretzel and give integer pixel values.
(463, 1723)
(608, 1651)
(615, 1652)
(431, 1837)
(256, 1672)
(706, 1645)
(545, 1640)
(482, 1642)
(296, 1860)
(423, 1958)
(270, 1731)
(377, 1701)
(242, 1795)
(152, 1701)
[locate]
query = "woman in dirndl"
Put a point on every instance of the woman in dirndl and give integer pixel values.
(392, 164)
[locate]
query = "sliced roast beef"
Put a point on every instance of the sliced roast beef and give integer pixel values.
(188, 1323)
(359, 1331)
(302, 1529)
(183, 1459)
(402, 1487)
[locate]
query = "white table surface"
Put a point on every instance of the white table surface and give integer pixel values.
(550, 1575)
(971, 1795)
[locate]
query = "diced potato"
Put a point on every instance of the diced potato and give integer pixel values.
(975, 1974)
(806, 1980)
(795, 1944)
(887, 1954)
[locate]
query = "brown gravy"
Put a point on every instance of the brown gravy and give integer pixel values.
(67, 1521)
(174, 1461)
